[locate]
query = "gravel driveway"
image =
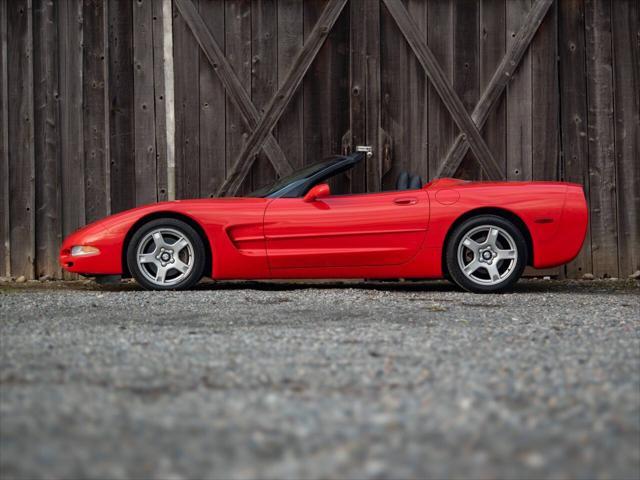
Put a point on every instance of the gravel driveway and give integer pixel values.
(348, 380)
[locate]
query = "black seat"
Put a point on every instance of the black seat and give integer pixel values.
(407, 181)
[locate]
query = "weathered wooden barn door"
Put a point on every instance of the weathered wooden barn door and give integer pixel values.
(262, 66)
(425, 93)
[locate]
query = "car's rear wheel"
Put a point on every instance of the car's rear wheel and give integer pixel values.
(486, 254)
(166, 254)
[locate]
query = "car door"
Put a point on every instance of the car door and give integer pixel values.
(372, 229)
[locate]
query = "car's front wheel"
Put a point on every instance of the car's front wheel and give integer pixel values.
(166, 254)
(486, 254)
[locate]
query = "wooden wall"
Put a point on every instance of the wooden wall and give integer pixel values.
(83, 117)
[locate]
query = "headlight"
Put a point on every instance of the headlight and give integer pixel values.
(83, 251)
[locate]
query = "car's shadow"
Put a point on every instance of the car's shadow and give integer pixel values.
(523, 286)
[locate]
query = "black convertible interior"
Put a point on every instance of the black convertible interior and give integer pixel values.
(301, 181)
(408, 181)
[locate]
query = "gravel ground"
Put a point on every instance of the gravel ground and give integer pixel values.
(343, 380)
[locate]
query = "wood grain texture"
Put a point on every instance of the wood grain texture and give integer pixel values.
(394, 53)
(357, 89)
(144, 103)
(290, 41)
(94, 109)
(47, 142)
(442, 129)
(466, 71)
(442, 86)
(373, 135)
(492, 50)
(69, 125)
(121, 109)
(264, 80)
(573, 105)
(278, 102)
(545, 120)
(600, 133)
(222, 65)
(626, 42)
(501, 78)
(326, 92)
(186, 62)
(238, 51)
(519, 98)
(21, 138)
(213, 108)
(5, 226)
(160, 104)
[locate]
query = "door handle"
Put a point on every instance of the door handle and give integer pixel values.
(406, 201)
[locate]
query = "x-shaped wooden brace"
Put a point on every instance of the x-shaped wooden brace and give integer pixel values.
(469, 125)
(261, 136)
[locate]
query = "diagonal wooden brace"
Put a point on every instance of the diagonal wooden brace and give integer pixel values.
(282, 97)
(441, 84)
(230, 80)
(499, 81)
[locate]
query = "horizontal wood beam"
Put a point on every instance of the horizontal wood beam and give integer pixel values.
(282, 97)
(230, 80)
(441, 84)
(495, 88)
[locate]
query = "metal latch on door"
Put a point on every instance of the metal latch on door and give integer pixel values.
(367, 149)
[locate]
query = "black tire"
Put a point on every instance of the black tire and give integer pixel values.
(196, 253)
(475, 281)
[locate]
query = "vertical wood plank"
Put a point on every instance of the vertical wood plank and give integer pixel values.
(290, 41)
(5, 253)
(264, 73)
(357, 88)
(122, 162)
(47, 144)
(94, 109)
(442, 129)
(545, 112)
(404, 112)
(238, 51)
(186, 54)
(573, 105)
(626, 42)
(21, 140)
(169, 95)
(326, 91)
(372, 103)
(144, 103)
(466, 69)
(600, 131)
(396, 56)
(71, 128)
(212, 108)
(492, 49)
(519, 142)
(160, 103)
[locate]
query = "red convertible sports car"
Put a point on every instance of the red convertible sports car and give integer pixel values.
(480, 235)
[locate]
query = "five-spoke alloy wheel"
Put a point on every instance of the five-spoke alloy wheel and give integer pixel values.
(166, 254)
(486, 253)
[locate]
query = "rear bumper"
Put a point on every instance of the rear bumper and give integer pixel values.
(569, 237)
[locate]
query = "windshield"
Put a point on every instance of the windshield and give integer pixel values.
(297, 177)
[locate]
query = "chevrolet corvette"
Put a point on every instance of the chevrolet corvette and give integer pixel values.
(480, 235)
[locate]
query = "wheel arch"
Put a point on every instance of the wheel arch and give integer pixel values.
(166, 214)
(500, 212)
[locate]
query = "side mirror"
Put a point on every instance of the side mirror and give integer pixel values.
(319, 191)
